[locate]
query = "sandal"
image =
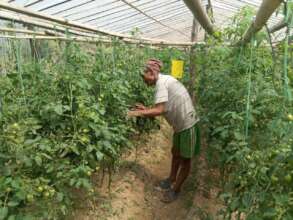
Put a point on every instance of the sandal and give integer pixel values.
(165, 184)
(170, 196)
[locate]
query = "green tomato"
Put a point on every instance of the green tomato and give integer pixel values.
(89, 173)
(274, 179)
(288, 178)
(40, 189)
(46, 194)
(85, 130)
(248, 157)
(15, 125)
(80, 105)
(30, 198)
(8, 189)
(290, 117)
(52, 192)
(84, 139)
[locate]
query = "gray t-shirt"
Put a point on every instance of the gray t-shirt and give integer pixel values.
(179, 110)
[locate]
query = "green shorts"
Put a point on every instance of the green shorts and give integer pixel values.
(187, 141)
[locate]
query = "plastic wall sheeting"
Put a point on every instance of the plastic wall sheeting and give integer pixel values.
(117, 16)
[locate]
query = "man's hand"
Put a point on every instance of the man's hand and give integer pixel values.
(159, 109)
(134, 114)
(140, 106)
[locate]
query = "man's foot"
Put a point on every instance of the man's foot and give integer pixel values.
(170, 196)
(165, 184)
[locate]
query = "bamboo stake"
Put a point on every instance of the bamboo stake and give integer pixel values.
(33, 44)
(23, 31)
(91, 40)
(78, 39)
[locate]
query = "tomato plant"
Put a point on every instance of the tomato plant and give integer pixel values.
(62, 118)
(257, 166)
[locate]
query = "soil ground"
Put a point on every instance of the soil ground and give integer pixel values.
(133, 195)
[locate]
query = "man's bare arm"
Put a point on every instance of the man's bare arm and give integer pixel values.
(159, 109)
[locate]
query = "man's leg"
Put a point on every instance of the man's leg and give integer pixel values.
(185, 166)
(171, 195)
(175, 164)
(187, 145)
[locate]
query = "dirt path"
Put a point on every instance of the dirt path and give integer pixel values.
(133, 196)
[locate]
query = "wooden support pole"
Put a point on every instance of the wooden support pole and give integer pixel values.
(91, 40)
(194, 30)
(33, 45)
(36, 37)
(265, 11)
(22, 31)
(199, 13)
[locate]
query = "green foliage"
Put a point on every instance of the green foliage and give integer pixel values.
(257, 169)
(61, 119)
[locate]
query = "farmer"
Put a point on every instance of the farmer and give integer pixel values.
(174, 103)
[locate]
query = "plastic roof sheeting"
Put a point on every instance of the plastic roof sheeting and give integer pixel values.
(165, 19)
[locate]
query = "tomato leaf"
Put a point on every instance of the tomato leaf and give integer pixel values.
(13, 203)
(3, 213)
(38, 160)
(99, 155)
(60, 197)
(58, 109)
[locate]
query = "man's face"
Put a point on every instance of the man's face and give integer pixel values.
(149, 77)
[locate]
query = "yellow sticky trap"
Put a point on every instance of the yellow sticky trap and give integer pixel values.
(177, 69)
